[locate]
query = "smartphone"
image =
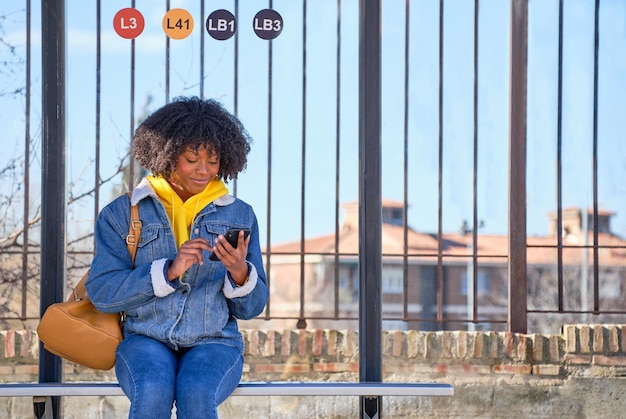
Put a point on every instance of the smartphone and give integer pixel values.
(232, 236)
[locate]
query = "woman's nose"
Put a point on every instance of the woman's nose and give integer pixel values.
(202, 167)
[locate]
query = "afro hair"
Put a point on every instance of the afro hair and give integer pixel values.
(191, 122)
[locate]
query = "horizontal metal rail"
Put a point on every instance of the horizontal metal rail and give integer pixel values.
(269, 388)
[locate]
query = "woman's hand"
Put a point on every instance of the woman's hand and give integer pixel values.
(189, 253)
(234, 259)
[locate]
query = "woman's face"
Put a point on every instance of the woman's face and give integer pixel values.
(193, 172)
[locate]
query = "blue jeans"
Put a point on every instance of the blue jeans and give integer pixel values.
(198, 379)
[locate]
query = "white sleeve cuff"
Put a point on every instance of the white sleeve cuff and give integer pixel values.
(245, 289)
(159, 281)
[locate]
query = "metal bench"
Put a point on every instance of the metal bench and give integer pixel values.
(42, 393)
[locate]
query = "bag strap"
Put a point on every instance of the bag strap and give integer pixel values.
(132, 240)
(134, 231)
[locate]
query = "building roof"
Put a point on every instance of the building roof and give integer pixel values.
(457, 247)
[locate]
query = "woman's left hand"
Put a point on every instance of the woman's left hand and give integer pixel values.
(234, 259)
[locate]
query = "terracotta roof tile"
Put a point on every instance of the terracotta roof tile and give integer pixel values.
(491, 248)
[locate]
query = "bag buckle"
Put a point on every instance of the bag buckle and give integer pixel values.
(76, 297)
(135, 225)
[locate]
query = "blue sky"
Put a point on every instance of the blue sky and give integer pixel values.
(319, 120)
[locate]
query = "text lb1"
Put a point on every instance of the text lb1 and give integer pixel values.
(221, 25)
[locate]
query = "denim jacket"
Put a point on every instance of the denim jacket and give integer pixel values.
(204, 304)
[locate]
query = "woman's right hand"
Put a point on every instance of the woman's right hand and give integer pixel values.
(189, 253)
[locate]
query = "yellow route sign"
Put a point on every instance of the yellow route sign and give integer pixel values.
(178, 23)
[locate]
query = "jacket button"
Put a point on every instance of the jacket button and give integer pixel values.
(197, 231)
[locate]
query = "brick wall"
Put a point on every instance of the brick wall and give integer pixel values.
(578, 372)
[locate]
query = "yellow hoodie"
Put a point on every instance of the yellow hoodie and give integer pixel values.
(182, 214)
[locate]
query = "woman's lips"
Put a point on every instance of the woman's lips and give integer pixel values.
(200, 182)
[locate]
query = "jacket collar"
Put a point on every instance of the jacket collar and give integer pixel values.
(144, 190)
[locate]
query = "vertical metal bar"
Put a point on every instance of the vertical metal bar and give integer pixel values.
(517, 168)
(27, 145)
(167, 60)
(96, 187)
(440, 270)
(202, 55)
(596, 261)
(405, 222)
(559, 166)
(337, 157)
(370, 203)
(236, 63)
(53, 173)
(235, 76)
(268, 244)
(475, 179)
(301, 321)
(131, 159)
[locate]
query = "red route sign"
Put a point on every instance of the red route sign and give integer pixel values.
(128, 23)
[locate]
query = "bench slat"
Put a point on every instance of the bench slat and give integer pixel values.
(270, 388)
(343, 389)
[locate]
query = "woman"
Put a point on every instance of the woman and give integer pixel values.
(181, 341)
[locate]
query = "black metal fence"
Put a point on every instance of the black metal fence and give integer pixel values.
(487, 116)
